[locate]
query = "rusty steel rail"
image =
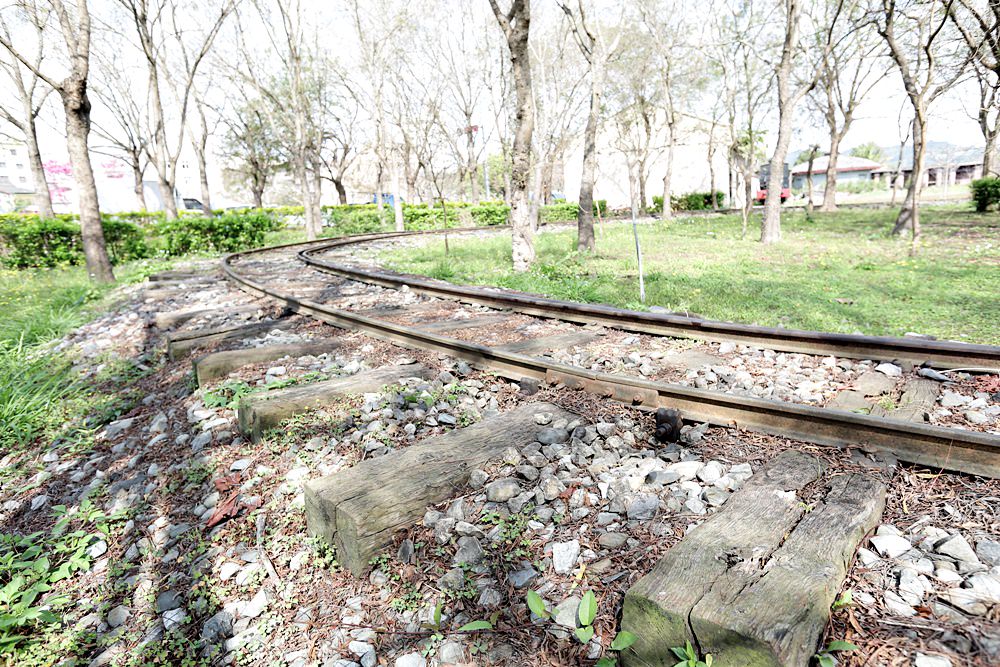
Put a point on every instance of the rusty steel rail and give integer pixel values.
(917, 351)
(932, 446)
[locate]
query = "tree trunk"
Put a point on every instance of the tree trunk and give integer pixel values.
(809, 178)
(771, 228)
(397, 200)
(378, 188)
(473, 169)
(991, 159)
(909, 215)
(206, 196)
(43, 198)
(140, 193)
(76, 106)
(342, 191)
(167, 194)
(522, 225)
(585, 216)
(666, 210)
(316, 192)
(258, 195)
(830, 187)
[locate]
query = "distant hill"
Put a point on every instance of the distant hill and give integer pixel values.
(938, 153)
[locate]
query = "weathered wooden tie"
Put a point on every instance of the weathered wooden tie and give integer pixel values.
(456, 325)
(753, 584)
(259, 413)
(358, 510)
(545, 343)
(173, 318)
(918, 399)
(219, 364)
(182, 343)
(180, 274)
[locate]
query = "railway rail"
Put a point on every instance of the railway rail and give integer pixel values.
(933, 446)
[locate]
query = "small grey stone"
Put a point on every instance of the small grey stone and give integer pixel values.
(256, 606)
(220, 626)
(411, 660)
(566, 612)
(564, 555)
(469, 551)
(118, 615)
(522, 576)
(451, 653)
(891, 370)
(477, 478)
(976, 417)
(502, 490)
(552, 436)
(643, 507)
(174, 619)
(923, 660)
(933, 375)
(452, 580)
(890, 546)
(988, 551)
(240, 465)
(168, 600)
(405, 552)
(490, 598)
(662, 477)
(958, 548)
(612, 540)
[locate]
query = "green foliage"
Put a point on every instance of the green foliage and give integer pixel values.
(689, 657)
(537, 605)
(825, 657)
(29, 567)
(225, 233)
(490, 213)
(869, 151)
(692, 201)
(31, 241)
(986, 193)
(226, 395)
(845, 600)
(33, 389)
(601, 207)
(562, 212)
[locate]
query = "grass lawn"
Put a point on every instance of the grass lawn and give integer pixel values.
(833, 272)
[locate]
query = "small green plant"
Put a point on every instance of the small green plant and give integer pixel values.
(437, 636)
(825, 657)
(845, 600)
(689, 657)
(986, 193)
(622, 641)
(537, 605)
(226, 395)
(586, 613)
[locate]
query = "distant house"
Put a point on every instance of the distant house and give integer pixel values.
(849, 169)
(949, 166)
(13, 197)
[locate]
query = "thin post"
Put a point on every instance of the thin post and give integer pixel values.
(635, 234)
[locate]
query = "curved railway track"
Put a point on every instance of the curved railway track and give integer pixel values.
(932, 446)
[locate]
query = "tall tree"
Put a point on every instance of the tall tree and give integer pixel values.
(515, 24)
(852, 66)
(979, 24)
(790, 93)
(253, 149)
(74, 26)
(597, 44)
(30, 100)
(929, 64)
(173, 51)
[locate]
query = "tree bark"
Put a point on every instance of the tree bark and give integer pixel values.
(140, 194)
(397, 200)
(341, 190)
(991, 159)
(257, 191)
(909, 214)
(585, 216)
(516, 26)
(830, 187)
(771, 229)
(666, 209)
(43, 198)
(206, 196)
(76, 106)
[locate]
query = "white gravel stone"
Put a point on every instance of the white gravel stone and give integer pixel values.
(891, 546)
(411, 660)
(564, 556)
(892, 370)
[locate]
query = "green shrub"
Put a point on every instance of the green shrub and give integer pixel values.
(692, 201)
(224, 233)
(986, 193)
(601, 207)
(39, 242)
(125, 241)
(490, 213)
(562, 212)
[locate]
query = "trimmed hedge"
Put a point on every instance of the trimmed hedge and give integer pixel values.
(692, 201)
(31, 241)
(223, 233)
(986, 193)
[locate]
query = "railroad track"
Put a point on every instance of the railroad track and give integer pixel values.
(933, 446)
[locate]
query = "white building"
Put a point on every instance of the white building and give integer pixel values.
(690, 171)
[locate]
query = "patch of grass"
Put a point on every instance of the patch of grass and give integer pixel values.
(838, 272)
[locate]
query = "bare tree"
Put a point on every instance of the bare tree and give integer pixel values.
(929, 66)
(198, 133)
(74, 27)
(851, 68)
(127, 130)
(173, 53)
(31, 99)
(251, 143)
(790, 93)
(979, 25)
(515, 24)
(597, 47)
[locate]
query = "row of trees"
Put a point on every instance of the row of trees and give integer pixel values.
(398, 97)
